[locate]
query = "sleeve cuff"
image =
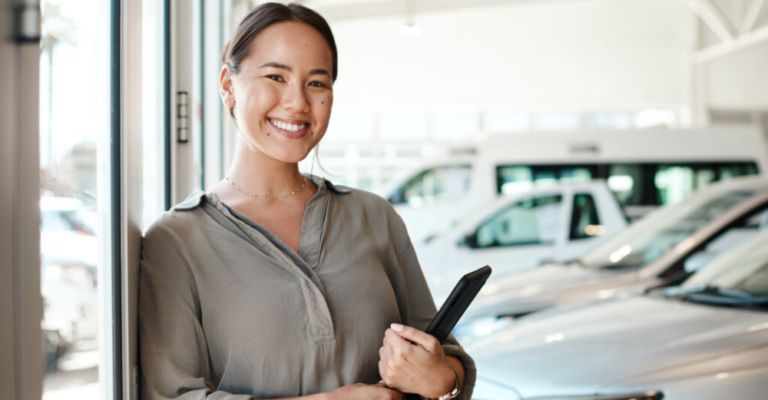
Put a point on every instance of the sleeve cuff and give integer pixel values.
(470, 372)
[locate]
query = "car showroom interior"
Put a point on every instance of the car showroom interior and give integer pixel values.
(384, 199)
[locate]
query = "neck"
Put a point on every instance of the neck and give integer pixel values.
(259, 173)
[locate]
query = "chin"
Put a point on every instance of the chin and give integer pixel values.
(291, 155)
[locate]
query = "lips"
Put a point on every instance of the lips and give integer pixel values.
(292, 129)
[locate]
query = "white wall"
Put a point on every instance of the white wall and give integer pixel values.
(740, 80)
(575, 54)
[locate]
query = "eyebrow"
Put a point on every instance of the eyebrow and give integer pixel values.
(318, 71)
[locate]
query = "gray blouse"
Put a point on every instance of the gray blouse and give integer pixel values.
(228, 311)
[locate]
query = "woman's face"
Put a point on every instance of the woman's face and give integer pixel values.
(282, 94)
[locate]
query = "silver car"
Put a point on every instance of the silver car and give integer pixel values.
(705, 339)
(662, 249)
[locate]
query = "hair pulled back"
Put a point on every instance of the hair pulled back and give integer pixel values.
(268, 14)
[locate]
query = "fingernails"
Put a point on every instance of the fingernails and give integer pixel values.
(381, 381)
(396, 327)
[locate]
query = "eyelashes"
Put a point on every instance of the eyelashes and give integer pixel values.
(278, 78)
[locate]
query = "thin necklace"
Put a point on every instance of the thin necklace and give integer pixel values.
(248, 193)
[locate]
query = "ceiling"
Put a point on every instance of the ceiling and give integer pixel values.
(356, 9)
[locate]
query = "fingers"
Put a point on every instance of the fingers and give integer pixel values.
(396, 345)
(427, 341)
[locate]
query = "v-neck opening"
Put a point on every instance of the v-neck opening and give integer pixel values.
(311, 230)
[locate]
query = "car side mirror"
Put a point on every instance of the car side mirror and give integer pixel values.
(469, 241)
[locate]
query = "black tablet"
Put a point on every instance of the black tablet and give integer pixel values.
(453, 308)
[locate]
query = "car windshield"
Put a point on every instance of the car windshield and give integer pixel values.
(744, 269)
(652, 236)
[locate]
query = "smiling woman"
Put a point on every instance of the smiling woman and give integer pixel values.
(273, 284)
(277, 91)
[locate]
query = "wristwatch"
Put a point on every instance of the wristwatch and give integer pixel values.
(455, 391)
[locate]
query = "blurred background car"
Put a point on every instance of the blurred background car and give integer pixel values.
(661, 250)
(522, 231)
(705, 339)
(68, 275)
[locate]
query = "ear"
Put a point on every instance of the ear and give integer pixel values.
(226, 87)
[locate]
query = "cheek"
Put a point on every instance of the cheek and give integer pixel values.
(257, 99)
(321, 106)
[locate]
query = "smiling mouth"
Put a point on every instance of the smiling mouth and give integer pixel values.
(293, 128)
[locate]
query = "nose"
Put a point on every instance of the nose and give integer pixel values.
(294, 98)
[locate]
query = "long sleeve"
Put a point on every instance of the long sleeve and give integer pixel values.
(173, 351)
(418, 307)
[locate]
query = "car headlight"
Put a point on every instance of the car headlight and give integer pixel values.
(466, 332)
(650, 395)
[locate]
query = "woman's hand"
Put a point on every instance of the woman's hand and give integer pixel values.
(361, 391)
(412, 361)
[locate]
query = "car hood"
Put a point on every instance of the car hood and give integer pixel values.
(591, 346)
(541, 288)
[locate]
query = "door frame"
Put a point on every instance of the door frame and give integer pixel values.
(21, 303)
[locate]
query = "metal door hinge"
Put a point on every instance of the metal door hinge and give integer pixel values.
(182, 116)
(26, 20)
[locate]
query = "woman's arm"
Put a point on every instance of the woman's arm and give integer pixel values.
(358, 391)
(174, 356)
(417, 308)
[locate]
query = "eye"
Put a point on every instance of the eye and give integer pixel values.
(276, 78)
(318, 84)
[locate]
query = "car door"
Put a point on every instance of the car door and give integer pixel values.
(519, 236)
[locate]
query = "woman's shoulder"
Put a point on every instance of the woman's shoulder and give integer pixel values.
(368, 201)
(368, 206)
(178, 221)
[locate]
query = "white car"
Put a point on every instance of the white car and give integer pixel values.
(705, 339)
(660, 250)
(69, 253)
(520, 232)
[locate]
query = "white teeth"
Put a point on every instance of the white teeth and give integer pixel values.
(288, 127)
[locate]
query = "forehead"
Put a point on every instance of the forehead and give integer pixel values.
(291, 42)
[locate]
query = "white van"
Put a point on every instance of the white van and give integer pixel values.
(644, 169)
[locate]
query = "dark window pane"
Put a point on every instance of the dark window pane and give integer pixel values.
(585, 222)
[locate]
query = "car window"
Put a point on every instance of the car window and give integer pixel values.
(675, 182)
(519, 178)
(654, 235)
(535, 220)
(634, 184)
(739, 232)
(585, 222)
(745, 268)
(434, 185)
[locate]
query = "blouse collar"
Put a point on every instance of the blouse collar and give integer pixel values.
(195, 199)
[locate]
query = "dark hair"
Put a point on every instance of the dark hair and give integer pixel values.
(268, 14)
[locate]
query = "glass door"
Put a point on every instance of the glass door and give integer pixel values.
(79, 88)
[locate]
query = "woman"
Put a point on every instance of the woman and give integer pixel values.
(277, 285)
